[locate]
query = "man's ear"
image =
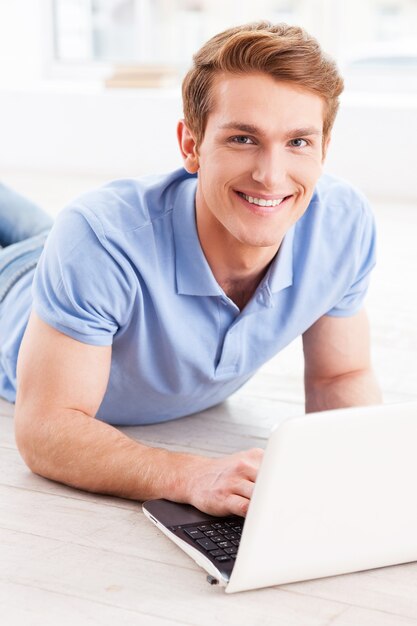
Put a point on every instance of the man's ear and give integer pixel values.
(188, 148)
(325, 147)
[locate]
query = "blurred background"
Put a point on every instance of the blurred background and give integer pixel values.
(90, 90)
(91, 87)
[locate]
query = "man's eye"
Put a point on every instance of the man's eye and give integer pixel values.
(298, 143)
(243, 139)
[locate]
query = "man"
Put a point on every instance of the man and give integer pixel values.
(159, 297)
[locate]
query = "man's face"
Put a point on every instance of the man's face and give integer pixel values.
(259, 160)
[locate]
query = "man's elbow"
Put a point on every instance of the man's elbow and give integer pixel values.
(354, 388)
(28, 440)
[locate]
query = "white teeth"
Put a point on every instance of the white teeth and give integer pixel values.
(262, 201)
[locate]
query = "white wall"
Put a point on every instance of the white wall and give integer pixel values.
(115, 133)
(374, 143)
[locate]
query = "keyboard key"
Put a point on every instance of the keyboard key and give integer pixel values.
(210, 533)
(194, 533)
(217, 538)
(232, 550)
(223, 558)
(207, 544)
(204, 527)
(230, 536)
(235, 542)
(224, 544)
(216, 552)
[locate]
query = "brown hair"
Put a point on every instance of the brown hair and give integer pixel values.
(286, 53)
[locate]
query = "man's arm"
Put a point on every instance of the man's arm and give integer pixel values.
(338, 371)
(61, 383)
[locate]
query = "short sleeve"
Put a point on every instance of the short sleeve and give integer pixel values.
(82, 286)
(363, 254)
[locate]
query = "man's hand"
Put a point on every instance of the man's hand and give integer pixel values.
(61, 385)
(224, 486)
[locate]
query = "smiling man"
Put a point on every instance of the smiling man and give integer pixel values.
(257, 172)
(160, 297)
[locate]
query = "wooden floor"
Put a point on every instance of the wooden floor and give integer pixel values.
(67, 557)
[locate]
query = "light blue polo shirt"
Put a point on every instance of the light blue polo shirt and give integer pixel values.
(123, 266)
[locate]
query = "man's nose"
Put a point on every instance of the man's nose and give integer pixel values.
(270, 169)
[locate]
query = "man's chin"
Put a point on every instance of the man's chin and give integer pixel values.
(262, 241)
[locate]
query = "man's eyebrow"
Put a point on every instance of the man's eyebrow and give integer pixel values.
(245, 128)
(302, 132)
(255, 130)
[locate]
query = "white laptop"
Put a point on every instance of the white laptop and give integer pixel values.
(336, 493)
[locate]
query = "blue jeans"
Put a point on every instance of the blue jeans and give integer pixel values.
(24, 228)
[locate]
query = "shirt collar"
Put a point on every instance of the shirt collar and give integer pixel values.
(193, 274)
(278, 277)
(280, 273)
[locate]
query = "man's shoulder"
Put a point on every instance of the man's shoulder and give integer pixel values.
(124, 205)
(336, 195)
(337, 216)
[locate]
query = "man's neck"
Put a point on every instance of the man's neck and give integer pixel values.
(237, 268)
(241, 291)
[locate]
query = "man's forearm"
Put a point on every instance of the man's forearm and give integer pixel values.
(80, 451)
(358, 388)
(83, 452)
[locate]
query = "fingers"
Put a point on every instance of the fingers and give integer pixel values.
(245, 471)
(240, 474)
(238, 505)
(250, 463)
(226, 485)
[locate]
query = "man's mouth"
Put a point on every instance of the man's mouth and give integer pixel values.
(262, 201)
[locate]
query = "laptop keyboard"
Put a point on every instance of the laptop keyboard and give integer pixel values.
(219, 540)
